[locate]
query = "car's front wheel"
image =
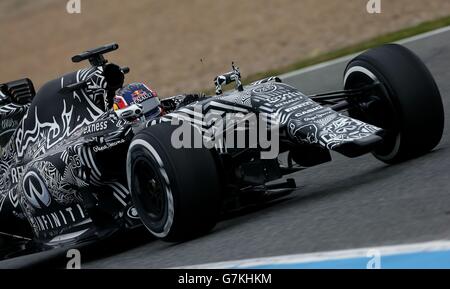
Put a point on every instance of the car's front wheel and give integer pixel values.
(175, 191)
(407, 103)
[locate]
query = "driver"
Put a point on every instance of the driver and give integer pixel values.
(139, 94)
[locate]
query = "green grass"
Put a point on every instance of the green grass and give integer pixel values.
(379, 40)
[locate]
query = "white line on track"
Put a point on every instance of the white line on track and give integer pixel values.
(433, 246)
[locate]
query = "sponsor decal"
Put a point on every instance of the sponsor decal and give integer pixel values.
(308, 111)
(108, 145)
(320, 116)
(9, 123)
(140, 96)
(285, 97)
(15, 174)
(299, 106)
(35, 190)
(266, 88)
(59, 218)
(96, 127)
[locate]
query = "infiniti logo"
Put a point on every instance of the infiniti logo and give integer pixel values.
(35, 190)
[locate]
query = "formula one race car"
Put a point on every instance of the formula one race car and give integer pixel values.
(79, 162)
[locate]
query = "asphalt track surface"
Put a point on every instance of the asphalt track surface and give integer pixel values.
(344, 204)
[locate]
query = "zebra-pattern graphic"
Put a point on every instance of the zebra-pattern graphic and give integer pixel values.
(49, 140)
(12, 109)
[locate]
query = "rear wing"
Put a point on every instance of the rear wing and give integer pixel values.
(15, 98)
(18, 91)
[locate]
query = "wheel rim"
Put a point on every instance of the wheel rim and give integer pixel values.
(150, 190)
(375, 108)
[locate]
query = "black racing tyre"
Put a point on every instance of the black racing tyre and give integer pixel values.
(175, 191)
(407, 104)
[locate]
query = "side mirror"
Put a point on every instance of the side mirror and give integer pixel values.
(131, 112)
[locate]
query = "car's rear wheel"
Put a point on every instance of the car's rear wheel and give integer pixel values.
(407, 104)
(175, 191)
